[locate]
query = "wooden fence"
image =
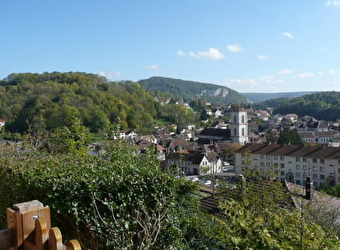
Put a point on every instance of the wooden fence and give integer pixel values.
(29, 228)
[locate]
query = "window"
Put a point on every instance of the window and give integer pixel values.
(297, 167)
(338, 170)
(262, 164)
(322, 161)
(315, 160)
(282, 158)
(297, 159)
(267, 164)
(282, 173)
(235, 119)
(276, 165)
(315, 176)
(315, 168)
(262, 157)
(305, 167)
(298, 182)
(304, 159)
(235, 132)
(242, 118)
(242, 131)
(276, 157)
(297, 174)
(268, 157)
(322, 177)
(322, 169)
(282, 165)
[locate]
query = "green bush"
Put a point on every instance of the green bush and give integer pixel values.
(120, 200)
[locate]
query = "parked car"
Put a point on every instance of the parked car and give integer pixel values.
(207, 182)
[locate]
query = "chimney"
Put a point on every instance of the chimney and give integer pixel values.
(309, 189)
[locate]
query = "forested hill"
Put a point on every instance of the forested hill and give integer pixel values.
(50, 100)
(262, 97)
(321, 105)
(189, 90)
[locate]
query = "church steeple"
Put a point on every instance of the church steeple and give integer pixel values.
(239, 126)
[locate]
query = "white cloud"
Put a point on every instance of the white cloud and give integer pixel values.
(334, 72)
(284, 71)
(332, 3)
(109, 75)
(241, 84)
(288, 35)
(211, 53)
(152, 67)
(305, 75)
(323, 49)
(270, 80)
(262, 57)
(181, 53)
(261, 84)
(235, 48)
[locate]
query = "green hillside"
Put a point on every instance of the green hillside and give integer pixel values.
(189, 90)
(50, 100)
(321, 105)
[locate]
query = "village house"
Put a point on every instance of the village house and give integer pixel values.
(195, 163)
(316, 137)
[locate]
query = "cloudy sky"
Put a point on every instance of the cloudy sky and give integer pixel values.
(247, 45)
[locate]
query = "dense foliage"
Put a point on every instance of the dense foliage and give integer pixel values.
(189, 90)
(321, 105)
(119, 200)
(50, 100)
(261, 217)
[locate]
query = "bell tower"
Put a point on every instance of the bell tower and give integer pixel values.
(239, 126)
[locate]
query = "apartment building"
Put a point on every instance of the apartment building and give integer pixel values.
(291, 162)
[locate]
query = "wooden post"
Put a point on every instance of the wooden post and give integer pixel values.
(21, 218)
(29, 228)
(55, 239)
(73, 245)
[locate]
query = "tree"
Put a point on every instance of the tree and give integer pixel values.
(70, 140)
(257, 217)
(204, 116)
(271, 137)
(288, 136)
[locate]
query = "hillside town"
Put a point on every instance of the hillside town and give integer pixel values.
(221, 148)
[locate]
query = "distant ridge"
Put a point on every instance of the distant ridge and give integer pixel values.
(189, 90)
(262, 97)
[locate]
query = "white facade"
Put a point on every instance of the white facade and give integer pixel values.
(293, 163)
(239, 126)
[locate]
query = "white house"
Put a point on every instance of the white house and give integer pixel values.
(195, 164)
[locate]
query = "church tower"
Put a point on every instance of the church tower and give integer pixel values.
(239, 126)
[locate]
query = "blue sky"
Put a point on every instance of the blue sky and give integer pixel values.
(247, 45)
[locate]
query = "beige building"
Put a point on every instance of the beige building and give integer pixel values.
(292, 162)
